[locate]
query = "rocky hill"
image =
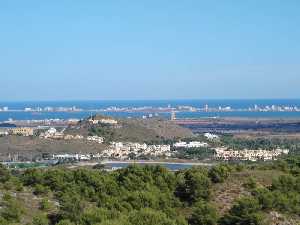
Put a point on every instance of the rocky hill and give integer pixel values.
(137, 130)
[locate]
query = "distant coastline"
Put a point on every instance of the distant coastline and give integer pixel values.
(230, 108)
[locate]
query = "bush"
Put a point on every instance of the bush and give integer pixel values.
(40, 220)
(149, 217)
(203, 214)
(41, 190)
(284, 183)
(12, 210)
(32, 177)
(94, 216)
(45, 205)
(65, 222)
(71, 207)
(3, 221)
(218, 174)
(194, 186)
(250, 183)
(4, 174)
(245, 211)
(265, 198)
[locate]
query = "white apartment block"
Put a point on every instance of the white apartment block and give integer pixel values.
(249, 155)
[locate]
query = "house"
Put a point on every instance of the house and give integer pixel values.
(97, 139)
(197, 144)
(248, 155)
(210, 136)
(192, 144)
(24, 131)
(180, 144)
(3, 133)
(103, 121)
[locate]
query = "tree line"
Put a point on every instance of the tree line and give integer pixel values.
(148, 195)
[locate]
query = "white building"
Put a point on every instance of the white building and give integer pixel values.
(192, 144)
(96, 139)
(76, 157)
(122, 150)
(4, 133)
(104, 121)
(180, 144)
(248, 155)
(51, 131)
(197, 144)
(210, 136)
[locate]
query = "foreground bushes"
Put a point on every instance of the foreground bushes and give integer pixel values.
(148, 195)
(135, 195)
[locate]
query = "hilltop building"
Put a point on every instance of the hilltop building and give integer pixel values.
(104, 121)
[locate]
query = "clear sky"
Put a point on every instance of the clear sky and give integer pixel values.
(154, 49)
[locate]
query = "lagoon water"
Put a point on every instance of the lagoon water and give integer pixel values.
(88, 105)
(170, 166)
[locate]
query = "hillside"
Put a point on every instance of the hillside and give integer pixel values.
(30, 147)
(228, 194)
(135, 130)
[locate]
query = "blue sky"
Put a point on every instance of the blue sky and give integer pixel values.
(66, 49)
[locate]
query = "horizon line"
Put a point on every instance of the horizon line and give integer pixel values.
(163, 99)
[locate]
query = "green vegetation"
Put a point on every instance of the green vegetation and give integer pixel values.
(195, 153)
(152, 195)
(260, 143)
(103, 130)
(203, 214)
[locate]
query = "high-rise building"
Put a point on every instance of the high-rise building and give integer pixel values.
(206, 108)
(173, 115)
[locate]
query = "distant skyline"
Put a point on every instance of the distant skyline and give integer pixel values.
(131, 50)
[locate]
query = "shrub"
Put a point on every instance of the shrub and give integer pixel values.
(149, 217)
(245, 211)
(45, 205)
(203, 214)
(12, 210)
(218, 174)
(250, 183)
(65, 222)
(3, 221)
(193, 187)
(265, 198)
(40, 219)
(4, 174)
(41, 190)
(71, 207)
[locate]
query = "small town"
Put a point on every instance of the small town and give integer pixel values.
(132, 150)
